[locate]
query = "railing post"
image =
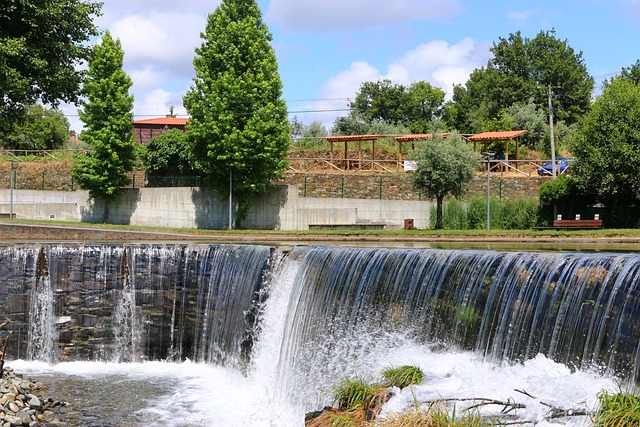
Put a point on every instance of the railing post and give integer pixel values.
(42, 181)
(342, 190)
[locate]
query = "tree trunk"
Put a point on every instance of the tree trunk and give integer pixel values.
(439, 203)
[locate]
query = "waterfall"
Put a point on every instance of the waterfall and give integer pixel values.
(41, 336)
(353, 304)
(318, 312)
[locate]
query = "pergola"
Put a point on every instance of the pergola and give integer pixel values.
(413, 138)
(506, 136)
(353, 138)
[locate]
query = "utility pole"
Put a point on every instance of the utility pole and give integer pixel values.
(553, 143)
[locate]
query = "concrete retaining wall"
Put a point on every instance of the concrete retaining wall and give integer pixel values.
(181, 207)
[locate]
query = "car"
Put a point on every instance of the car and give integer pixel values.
(563, 165)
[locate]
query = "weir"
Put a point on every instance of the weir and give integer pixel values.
(209, 303)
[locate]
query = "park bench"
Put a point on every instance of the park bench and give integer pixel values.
(577, 223)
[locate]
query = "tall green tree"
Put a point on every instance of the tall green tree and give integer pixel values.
(607, 146)
(107, 114)
(238, 130)
(523, 69)
(41, 44)
(446, 166)
(41, 129)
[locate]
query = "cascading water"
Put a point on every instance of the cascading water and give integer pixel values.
(41, 338)
(292, 325)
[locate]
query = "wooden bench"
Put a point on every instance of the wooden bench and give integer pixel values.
(577, 223)
(362, 226)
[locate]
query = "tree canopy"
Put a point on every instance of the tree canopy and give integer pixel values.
(41, 129)
(607, 145)
(445, 166)
(238, 124)
(414, 106)
(107, 114)
(41, 44)
(522, 69)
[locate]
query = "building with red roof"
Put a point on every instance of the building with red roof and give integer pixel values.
(148, 128)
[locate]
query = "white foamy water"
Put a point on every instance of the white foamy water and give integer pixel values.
(191, 394)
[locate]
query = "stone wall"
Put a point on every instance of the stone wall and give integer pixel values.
(399, 186)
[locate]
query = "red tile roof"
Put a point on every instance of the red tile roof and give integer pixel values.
(497, 136)
(163, 121)
(418, 136)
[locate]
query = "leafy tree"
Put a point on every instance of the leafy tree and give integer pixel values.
(40, 129)
(530, 117)
(315, 130)
(424, 104)
(523, 69)
(413, 107)
(107, 116)
(351, 124)
(238, 126)
(632, 73)
(167, 154)
(445, 167)
(41, 44)
(607, 146)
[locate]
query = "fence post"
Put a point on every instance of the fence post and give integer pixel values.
(71, 182)
(305, 186)
(380, 188)
(342, 190)
(42, 181)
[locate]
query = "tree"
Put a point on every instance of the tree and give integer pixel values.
(413, 107)
(607, 146)
(41, 44)
(107, 116)
(167, 154)
(523, 69)
(40, 129)
(445, 167)
(238, 130)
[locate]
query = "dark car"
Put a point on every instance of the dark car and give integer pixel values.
(563, 165)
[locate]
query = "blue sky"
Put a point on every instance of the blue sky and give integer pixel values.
(326, 49)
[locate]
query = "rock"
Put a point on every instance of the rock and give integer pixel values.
(13, 407)
(12, 421)
(34, 402)
(26, 418)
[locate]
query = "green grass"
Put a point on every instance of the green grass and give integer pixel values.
(435, 416)
(355, 393)
(621, 409)
(402, 376)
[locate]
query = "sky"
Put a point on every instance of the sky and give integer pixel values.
(327, 49)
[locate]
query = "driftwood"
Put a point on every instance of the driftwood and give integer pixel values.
(3, 352)
(511, 405)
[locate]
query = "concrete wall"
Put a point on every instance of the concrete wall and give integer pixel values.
(182, 207)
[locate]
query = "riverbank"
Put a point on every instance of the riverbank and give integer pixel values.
(43, 232)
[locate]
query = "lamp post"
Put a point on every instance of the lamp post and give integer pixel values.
(11, 185)
(489, 158)
(230, 198)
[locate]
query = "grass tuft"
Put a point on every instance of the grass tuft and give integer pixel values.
(403, 376)
(355, 393)
(621, 409)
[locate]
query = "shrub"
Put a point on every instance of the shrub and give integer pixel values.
(402, 376)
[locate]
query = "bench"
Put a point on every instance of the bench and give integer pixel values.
(577, 223)
(362, 226)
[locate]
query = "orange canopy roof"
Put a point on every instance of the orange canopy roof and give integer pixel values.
(497, 136)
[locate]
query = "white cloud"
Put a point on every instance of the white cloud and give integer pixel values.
(437, 62)
(315, 16)
(160, 38)
(157, 103)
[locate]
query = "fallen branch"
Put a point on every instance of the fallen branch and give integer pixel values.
(511, 405)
